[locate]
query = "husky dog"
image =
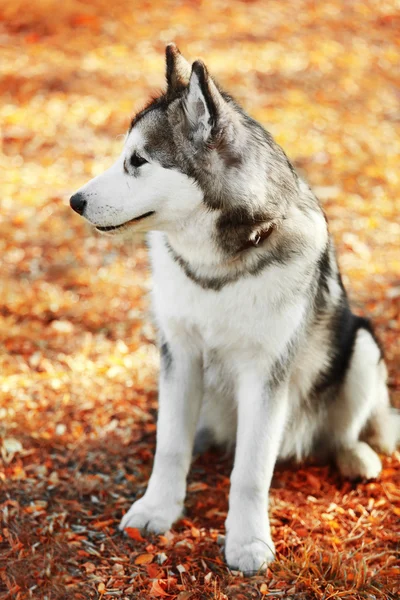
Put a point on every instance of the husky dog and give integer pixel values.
(259, 348)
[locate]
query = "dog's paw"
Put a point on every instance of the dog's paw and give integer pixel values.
(249, 555)
(359, 462)
(154, 518)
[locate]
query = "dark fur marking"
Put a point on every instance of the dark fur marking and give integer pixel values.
(207, 283)
(235, 226)
(278, 256)
(323, 273)
(344, 326)
(174, 79)
(363, 322)
(166, 357)
(170, 61)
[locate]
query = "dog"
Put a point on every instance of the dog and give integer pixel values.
(259, 348)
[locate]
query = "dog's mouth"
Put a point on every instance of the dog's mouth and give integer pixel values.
(114, 227)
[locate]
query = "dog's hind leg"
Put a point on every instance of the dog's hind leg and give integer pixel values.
(218, 416)
(217, 423)
(363, 404)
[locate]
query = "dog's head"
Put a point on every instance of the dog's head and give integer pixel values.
(191, 149)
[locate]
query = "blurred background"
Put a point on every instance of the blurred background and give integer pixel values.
(78, 363)
(323, 77)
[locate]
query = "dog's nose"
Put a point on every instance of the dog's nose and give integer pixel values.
(78, 203)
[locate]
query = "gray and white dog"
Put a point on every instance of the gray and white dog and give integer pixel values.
(259, 348)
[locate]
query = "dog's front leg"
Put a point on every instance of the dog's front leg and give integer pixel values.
(181, 388)
(262, 410)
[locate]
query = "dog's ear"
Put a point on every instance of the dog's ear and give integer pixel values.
(202, 103)
(177, 69)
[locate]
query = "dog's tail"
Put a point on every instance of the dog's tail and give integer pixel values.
(383, 428)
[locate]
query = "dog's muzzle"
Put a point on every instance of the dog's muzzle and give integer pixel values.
(113, 227)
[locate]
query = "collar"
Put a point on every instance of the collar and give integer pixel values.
(257, 238)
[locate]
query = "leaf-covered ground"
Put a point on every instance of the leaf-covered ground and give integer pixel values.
(78, 364)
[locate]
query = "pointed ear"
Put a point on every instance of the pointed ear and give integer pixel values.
(177, 69)
(203, 103)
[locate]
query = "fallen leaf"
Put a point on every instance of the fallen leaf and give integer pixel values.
(144, 559)
(89, 567)
(134, 533)
(101, 588)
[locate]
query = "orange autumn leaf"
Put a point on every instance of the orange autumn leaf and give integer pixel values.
(154, 571)
(134, 533)
(103, 524)
(101, 588)
(144, 559)
(158, 591)
(89, 567)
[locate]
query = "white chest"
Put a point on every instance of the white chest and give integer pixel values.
(255, 316)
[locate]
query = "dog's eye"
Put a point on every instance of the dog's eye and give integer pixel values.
(137, 161)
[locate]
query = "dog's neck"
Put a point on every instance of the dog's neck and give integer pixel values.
(199, 243)
(195, 241)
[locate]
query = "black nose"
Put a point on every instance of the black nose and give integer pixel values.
(78, 203)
